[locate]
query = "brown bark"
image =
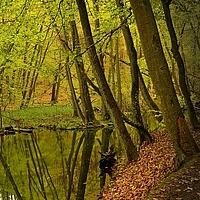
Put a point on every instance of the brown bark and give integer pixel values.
(132, 54)
(104, 112)
(109, 101)
(112, 70)
(149, 101)
(84, 91)
(118, 84)
(160, 75)
(182, 76)
(76, 108)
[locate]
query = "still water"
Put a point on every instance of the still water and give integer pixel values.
(52, 164)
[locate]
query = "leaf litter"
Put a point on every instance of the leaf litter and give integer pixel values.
(139, 177)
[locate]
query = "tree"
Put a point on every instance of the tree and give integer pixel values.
(177, 56)
(84, 91)
(109, 101)
(177, 128)
(104, 112)
(186, 21)
(132, 54)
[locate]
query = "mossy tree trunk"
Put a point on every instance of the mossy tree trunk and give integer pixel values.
(148, 99)
(177, 128)
(177, 56)
(132, 54)
(108, 99)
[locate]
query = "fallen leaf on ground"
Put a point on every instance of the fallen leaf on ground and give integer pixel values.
(137, 179)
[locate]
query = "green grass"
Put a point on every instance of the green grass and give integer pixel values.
(36, 115)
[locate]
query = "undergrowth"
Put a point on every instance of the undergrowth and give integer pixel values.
(36, 115)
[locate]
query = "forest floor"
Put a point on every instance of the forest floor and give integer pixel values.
(146, 178)
(184, 184)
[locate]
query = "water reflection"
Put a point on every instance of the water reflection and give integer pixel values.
(9, 197)
(51, 165)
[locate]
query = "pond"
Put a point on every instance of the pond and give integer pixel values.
(50, 164)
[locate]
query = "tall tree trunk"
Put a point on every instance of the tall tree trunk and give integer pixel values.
(178, 130)
(1, 104)
(132, 54)
(112, 69)
(53, 90)
(195, 35)
(149, 101)
(174, 76)
(84, 91)
(32, 86)
(177, 56)
(109, 101)
(104, 112)
(117, 62)
(76, 107)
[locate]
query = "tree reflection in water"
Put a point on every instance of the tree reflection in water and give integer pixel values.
(51, 164)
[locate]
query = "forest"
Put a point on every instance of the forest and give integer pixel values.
(98, 99)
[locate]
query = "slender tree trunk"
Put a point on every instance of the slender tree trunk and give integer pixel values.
(76, 108)
(104, 112)
(177, 56)
(26, 75)
(109, 101)
(174, 76)
(53, 91)
(195, 35)
(117, 62)
(181, 137)
(112, 69)
(1, 104)
(149, 101)
(84, 91)
(132, 54)
(55, 86)
(31, 87)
